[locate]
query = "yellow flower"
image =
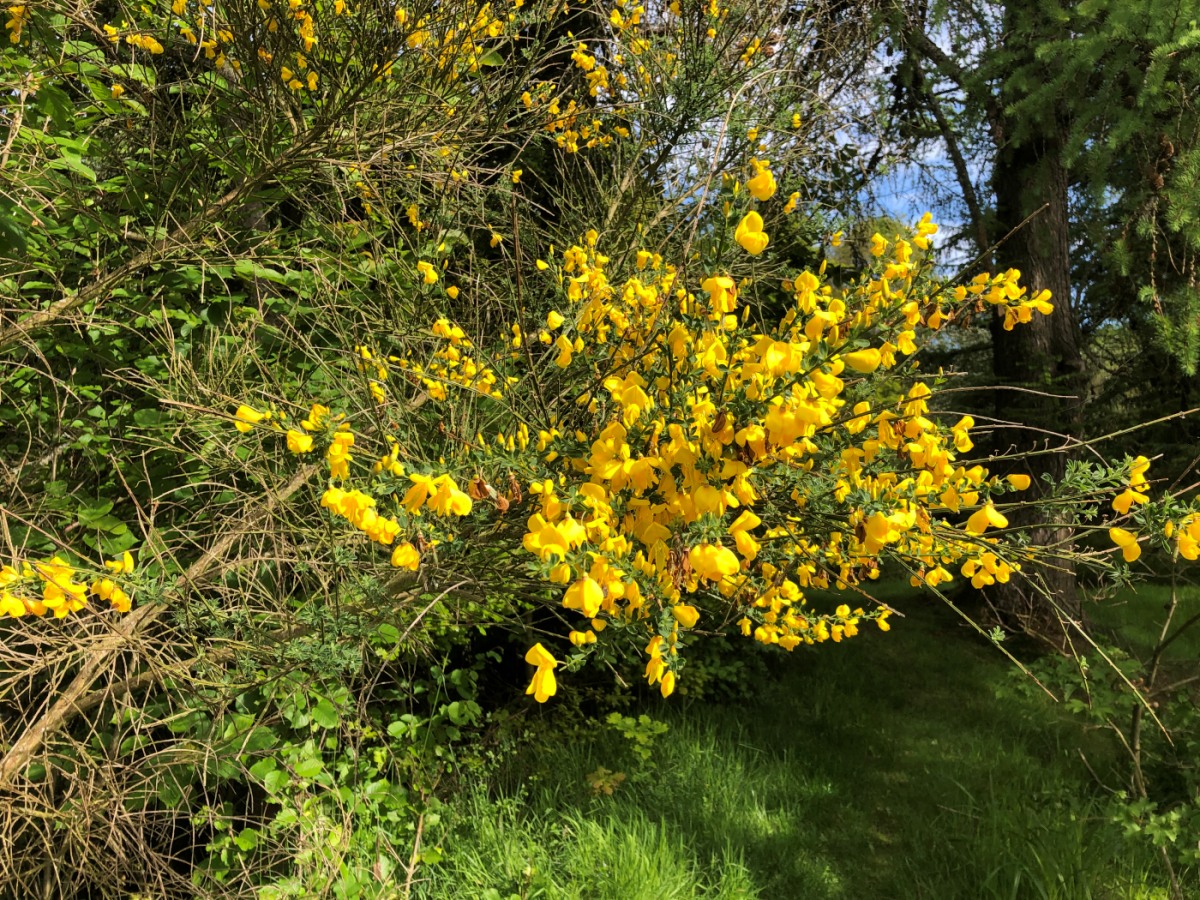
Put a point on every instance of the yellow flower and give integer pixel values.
(750, 234)
(416, 495)
(866, 360)
(18, 14)
(11, 605)
(982, 518)
(1019, 482)
(316, 416)
(447, 499)
(740, 530)
(405, 556)
(428, 273)
(122, 566)
(667, 686)
(516, 175)
(723, 293)
(107, 589)
(585, 595)
(963, 442)
(117, 91)
(1138, 470)
(247, 417)
(565, 350)
(1123, 501)
(452, 292)
(713, 562)
(60, 593)
(878, 244)
(762, 186)
(687, 616)
(790, 206)
(925, 228)
(554, 320)
(543, 686)
(1128, 543)
(299, 442)
(338, 454)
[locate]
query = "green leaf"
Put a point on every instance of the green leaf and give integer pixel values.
(309, 768)
(89, 515)
(247, 839)
(432, 856)
(276, 781)
(264, 767)
(324, 715)
(249, 269)
(74, 164)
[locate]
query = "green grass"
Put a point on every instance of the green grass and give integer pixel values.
(885, 767)
(1136, 614)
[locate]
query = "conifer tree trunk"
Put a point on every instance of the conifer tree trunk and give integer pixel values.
(1039, 369)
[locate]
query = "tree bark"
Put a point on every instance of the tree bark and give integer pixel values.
(1040, 368)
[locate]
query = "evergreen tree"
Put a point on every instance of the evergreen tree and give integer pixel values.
(1068, 107)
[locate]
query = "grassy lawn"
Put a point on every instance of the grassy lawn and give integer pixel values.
(884, 767)
(1136, 614)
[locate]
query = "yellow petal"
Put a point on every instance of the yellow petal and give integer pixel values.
(667, 687)
(982, 518)
(1127, 541)
(544, 685)
(539, 656)
(585, 595)
(686, 615)
(865, 361)
(1019, 482)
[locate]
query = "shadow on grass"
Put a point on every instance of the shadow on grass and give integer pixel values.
(882, 767)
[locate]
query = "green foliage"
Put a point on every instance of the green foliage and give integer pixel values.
(642, 732)
(284, 715)
(1155, 733)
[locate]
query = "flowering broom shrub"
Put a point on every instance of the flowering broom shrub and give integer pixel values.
(705, 469)
(335, 333)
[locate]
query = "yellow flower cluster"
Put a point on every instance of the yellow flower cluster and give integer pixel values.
(145, 42)
(1187, 533)
(708, 429)
(37, 588)
(1178, 524)
(456, 46)
(596, 75)
(376, 368)
(453, 364)
(577, 126)
(717, 468)
(359, 510)
(18, 15)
